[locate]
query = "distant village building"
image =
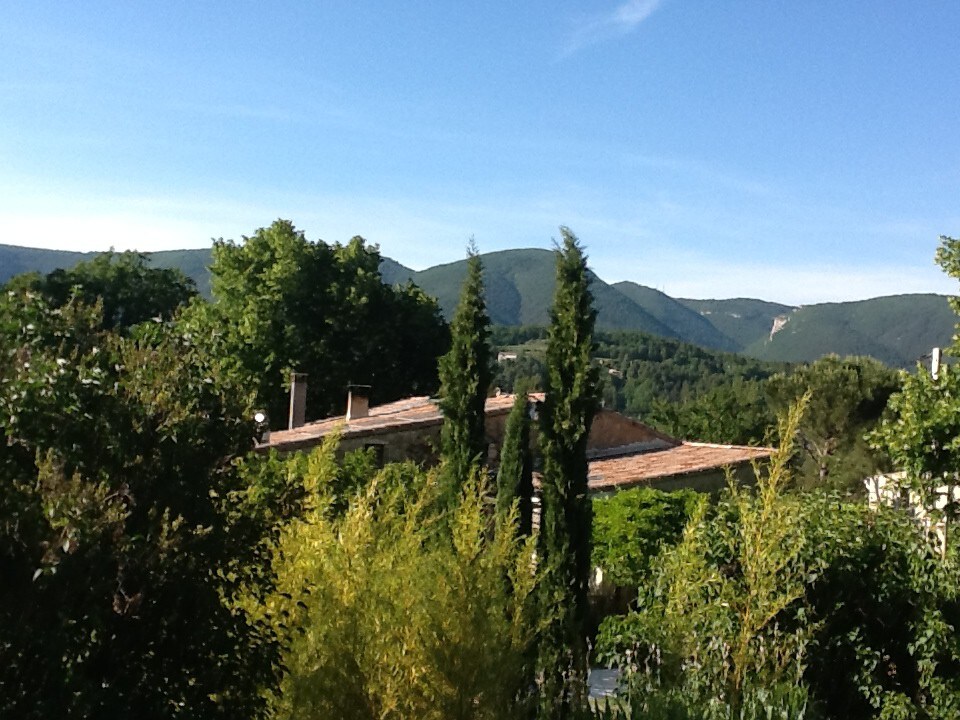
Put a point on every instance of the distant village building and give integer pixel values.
(622, 452)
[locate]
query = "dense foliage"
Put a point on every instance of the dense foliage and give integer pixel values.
(709, 633)
(799, 606)
(847, 398)
(921, 434)
(119, 542)
(630, 528)
(285, 304)
(515, 474)
(565, 527)
(465, 373)
(128, 289)
(401, 607)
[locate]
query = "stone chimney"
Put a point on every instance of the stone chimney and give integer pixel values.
(358, 401)
(298, 399)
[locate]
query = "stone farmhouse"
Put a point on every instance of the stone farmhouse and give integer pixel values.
(622, 452)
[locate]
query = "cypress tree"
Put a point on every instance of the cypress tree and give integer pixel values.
(465, 375)
(515, 476)
(566, 517)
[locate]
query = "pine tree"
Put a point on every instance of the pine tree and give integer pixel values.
(465, 374)
(515, 476)
(570, 403)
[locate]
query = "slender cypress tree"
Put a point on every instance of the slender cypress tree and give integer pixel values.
(515, 476)
(568, 409)
(465, 375)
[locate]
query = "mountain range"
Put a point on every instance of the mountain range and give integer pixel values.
(897, 329)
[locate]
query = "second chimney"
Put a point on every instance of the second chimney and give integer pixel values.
(298, 399)
(358, 401)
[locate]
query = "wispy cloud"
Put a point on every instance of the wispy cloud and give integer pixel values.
(625, 18)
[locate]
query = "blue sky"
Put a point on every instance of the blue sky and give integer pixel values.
(795, 151)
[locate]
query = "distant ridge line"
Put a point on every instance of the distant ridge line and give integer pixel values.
(895, 329)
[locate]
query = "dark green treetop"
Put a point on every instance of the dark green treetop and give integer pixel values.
(847, 398)
(284, 303)
(130, 290)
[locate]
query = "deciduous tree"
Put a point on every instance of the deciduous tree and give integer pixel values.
(284, 303)
(128, 288)
(118, 541)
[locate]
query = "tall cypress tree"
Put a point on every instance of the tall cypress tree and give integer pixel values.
(515, 476)
(465, 375)
(571, 400)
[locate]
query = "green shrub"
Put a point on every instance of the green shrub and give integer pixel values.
(401, 607)
(885, 613)
(631, 526)
(852, 607)
(715, 632)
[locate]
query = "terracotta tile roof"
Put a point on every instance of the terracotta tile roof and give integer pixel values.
(688, 457)
(407, 414)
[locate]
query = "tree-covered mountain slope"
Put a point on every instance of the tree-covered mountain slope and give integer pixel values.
(519, 285)
(686, 322)
(897, 330)
(743, 320)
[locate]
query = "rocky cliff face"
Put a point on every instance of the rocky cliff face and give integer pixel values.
(779, 322)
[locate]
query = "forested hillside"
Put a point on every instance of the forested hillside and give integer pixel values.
(743, 320)
(519, 283)
(15, 260)
(897, 330)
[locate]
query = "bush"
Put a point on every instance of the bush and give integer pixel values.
(631, 526)
(851, 607)
(715, 632)
(885, 611)
(398, 609)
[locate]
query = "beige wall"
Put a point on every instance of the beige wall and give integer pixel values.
(419, 445)
(612, 429)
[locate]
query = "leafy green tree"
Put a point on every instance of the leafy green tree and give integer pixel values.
(283, 303)
(118, 539)
(515, 475)
(847, 398)
(921, 435)
(129, 290)
(565, 527)
(465, 373)
(403, 607)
